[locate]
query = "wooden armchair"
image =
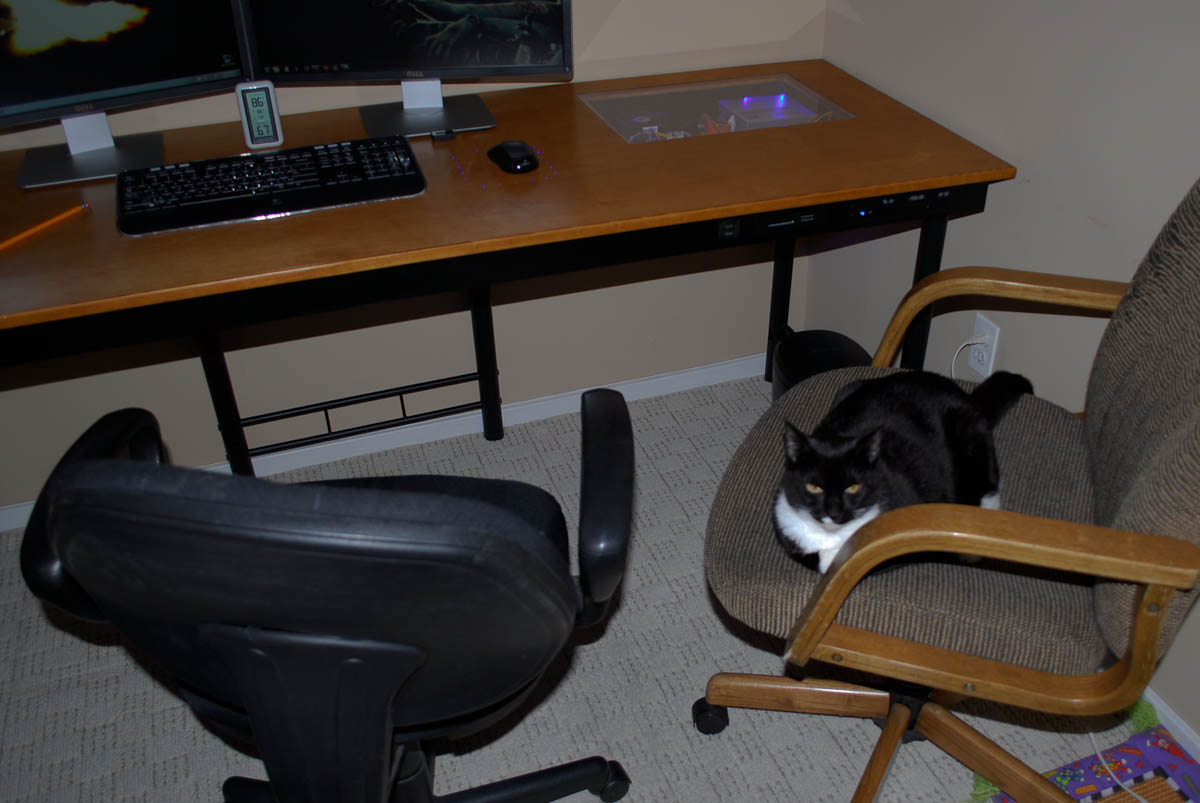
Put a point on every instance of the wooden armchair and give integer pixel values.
(1080, 584)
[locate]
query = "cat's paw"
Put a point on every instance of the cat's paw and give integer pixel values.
(826, 557)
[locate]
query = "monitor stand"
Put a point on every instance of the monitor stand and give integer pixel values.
(424, 111)
(90, 153)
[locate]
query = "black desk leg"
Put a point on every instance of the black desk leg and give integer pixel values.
(781, 297)
(220, 388)
(929, 262)
(485, 362)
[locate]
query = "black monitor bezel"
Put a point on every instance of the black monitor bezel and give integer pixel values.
(249, 69)
(136, 99)
(522, 73)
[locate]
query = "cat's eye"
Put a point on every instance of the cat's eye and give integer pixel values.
(813, 489)
(853, 489)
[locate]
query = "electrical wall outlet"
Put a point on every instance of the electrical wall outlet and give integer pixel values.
(982, 356)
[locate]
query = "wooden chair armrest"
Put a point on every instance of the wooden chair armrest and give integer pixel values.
(1031, 540)
(1019, 285)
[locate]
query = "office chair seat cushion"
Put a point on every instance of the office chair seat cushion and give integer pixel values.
(1043, 620)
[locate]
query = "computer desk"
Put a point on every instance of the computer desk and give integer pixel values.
(596, 200)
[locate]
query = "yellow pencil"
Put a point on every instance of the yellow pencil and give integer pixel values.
(45, 224)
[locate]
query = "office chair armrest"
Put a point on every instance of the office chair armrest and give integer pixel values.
(1017, 537)
(1071, 292)
(606, 498)
(129, 433)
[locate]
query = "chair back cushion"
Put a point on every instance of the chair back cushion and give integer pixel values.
(1143, 411)
(471, 572)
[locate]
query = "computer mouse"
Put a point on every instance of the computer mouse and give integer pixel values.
(514, 156)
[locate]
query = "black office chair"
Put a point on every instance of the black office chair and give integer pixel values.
(340, 626)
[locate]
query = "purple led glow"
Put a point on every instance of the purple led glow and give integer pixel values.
(779, 107)
(780, 100)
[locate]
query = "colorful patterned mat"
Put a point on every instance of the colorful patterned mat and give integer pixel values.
(1151, 763)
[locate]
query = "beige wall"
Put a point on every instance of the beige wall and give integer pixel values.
(1095, 104)
(548, 341)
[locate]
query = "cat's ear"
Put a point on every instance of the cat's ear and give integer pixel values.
(796, 441)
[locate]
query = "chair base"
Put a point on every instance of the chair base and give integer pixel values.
(414, 784)
(904, 714)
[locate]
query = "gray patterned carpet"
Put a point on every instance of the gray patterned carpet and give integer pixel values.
(81, 720)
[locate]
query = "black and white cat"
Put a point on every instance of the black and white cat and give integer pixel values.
(899, 440)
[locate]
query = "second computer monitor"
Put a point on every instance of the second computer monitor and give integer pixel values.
(418, 43)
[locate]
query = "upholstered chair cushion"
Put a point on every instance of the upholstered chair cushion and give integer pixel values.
(1143, 412)
(1043, 620)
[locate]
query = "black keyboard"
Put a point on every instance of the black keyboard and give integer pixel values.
(254, 186)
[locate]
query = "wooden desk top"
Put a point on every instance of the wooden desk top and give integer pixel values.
(591, 183)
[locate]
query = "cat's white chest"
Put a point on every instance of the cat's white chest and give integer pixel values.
(810, 535)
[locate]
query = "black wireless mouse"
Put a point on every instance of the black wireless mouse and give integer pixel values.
(514, 156)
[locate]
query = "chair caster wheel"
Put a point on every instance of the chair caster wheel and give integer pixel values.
(709, 719)
(618, 783)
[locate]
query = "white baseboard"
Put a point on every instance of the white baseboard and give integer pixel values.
(15, 516)
(513, 414)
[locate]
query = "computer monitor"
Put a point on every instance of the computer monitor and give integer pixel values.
(73, 62)
(416, 43)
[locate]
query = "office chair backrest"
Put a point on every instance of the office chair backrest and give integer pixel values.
(469, 577)
(1143, 411)
(340, 626)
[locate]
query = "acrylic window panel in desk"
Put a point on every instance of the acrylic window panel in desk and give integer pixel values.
(712, 107)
